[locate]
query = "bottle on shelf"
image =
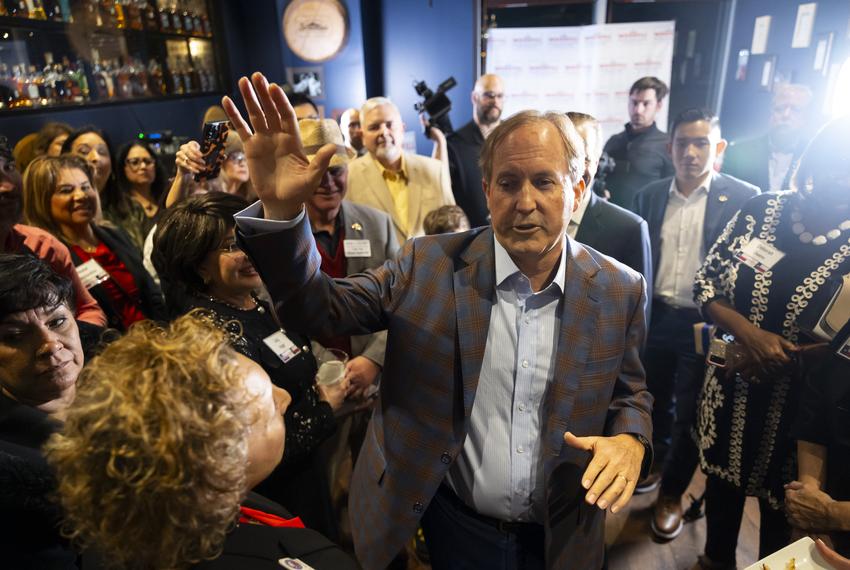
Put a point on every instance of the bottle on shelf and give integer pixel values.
(20, 97)
(18, 9)
(36, 10)
(176, 19)
(133, 10)
(108, 14)
(156, 82)
(188, 19)
(120, 17)
(3, 12)
(55, 11)
(197, 23)
(164, 17)
(123, 86)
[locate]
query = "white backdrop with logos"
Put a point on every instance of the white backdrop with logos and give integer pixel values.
(581, 68)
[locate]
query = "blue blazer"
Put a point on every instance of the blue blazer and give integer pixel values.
(725, 198)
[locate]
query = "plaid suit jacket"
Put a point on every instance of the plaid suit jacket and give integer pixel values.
(435, 301)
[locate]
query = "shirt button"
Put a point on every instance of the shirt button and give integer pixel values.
(527, 320)
(521, 407)
(525, 364)
(446, 458)
(520, 449)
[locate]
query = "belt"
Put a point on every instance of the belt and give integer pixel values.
(507, 527)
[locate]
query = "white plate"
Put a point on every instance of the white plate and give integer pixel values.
(805, 555)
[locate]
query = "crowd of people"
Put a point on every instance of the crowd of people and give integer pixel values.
(525, 344)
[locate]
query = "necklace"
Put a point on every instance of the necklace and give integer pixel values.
(799, 229)
(257, 306)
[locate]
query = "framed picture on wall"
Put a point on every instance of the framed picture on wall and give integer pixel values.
(741, 69)
(823, 49)
(307, 80)
(768, 71)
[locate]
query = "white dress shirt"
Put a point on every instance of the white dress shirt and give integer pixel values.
(681, 251)
(578, 215)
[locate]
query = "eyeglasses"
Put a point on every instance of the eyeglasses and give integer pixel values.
(237, 157)
(230, 248)
(139, 161)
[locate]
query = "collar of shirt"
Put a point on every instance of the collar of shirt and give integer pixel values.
(577, 216)
(506, 268)
(704, 187)
(393, 176)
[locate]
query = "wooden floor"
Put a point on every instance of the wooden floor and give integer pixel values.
(631, 545)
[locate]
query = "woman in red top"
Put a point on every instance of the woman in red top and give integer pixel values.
(60, 198)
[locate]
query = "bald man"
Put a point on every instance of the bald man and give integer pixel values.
(769, 161)
(464, 146)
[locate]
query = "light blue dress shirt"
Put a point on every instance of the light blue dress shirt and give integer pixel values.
(499, 471)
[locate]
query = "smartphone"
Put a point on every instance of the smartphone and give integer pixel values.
(212, 149)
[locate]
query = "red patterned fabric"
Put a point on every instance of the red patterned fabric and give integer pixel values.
(121, 287)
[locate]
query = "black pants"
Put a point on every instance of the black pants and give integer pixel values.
(458, 538)
(724, 507)
(674, 376)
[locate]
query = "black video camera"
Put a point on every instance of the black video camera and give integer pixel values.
(435, 104)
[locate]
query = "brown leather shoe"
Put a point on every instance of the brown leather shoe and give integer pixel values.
(667, 517)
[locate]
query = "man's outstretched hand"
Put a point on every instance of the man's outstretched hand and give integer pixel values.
(614, 469)
(280, 172)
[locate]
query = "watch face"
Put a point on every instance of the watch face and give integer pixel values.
(316, 30)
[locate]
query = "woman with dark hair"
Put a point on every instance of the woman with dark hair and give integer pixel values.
(59, 198)
(141, 181)
(40, 358)
(51, 137)
(773, 258)
(201, 267)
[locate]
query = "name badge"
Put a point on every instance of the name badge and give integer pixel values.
(759, 255)
(280, 344)
(294, 564)
(91, 273)
(357, 247)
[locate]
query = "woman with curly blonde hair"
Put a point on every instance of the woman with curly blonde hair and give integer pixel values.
(169, 431)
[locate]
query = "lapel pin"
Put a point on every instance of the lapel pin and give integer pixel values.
(357, 227)
(722, 198)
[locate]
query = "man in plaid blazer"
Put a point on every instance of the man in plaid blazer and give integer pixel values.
(430, 444)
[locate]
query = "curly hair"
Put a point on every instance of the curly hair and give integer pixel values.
(151, 462)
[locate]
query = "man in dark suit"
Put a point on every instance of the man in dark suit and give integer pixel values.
(769, 161)
(640, 150)
(464, 148)
(606, 227)
(686, 214)
(470, 431)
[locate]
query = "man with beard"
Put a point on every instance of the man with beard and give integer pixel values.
(768, 161)
(406, 186)
(464, 147)
(640, 150)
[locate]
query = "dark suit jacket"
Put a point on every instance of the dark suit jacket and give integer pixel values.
(749, 160)
(617, 232)
(725, 198)
(150, 296)
(435, 300)
(29, 521)
(464, 147)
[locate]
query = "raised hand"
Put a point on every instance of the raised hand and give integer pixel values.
(282, 176)
(612, 474)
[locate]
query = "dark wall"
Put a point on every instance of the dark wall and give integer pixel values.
(746, 106)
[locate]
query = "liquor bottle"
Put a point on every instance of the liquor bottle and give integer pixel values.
(121, 73)
(188, 17)
(176, 19)
(19, 9)
(155, 79)
(133, 13)
(207, 25)
(3, 12)
(149, 15)
(109, 17)
(197, 23)
(55, 12)
(164, 18)
(20, 98)
(37, 11)
(118, 10)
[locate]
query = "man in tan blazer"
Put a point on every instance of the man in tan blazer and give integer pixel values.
(406, 186)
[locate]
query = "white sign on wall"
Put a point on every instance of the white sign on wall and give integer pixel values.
(581, 68)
